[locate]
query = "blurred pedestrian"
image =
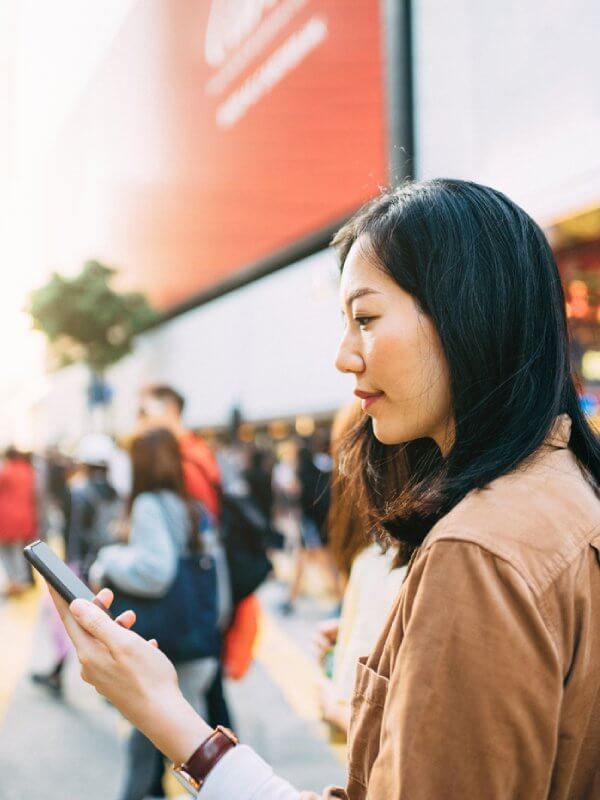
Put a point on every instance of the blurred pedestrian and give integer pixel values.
(163, 528)
(373, 578)
(18, 519)
(286, 490)
(57, 491)
(161, 405)
(314, 500)
(259, 477)
(93, 512)
(96, 507)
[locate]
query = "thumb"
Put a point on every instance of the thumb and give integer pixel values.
(98, 624)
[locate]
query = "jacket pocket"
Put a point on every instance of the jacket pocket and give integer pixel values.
(369, 698)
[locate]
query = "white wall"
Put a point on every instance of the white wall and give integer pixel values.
(508, 94)
(268, 347)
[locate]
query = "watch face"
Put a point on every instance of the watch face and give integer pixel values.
(190, 784)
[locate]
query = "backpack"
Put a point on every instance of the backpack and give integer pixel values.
(98, 521)
(245, 535)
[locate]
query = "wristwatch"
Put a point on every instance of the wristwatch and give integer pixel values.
(194, 772)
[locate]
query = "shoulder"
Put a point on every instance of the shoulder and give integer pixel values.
(146, 504)
(537, 519)
(194, 448)
(156, 500)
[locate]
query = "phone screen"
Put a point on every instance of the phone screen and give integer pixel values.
(56, 572)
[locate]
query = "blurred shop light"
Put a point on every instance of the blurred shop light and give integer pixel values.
(246, 432)
(279, 429)
(581, 227)
(590, 365)
(589, 404)
(578, 305)
(305, 426)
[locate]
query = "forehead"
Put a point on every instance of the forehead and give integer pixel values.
(361, 271)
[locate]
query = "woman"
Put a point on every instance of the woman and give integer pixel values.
(18, 519)
(484, 682)
(373, 580)
(163, 527)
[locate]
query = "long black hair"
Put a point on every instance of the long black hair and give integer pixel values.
(484, 273)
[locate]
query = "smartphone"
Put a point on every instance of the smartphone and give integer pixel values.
(56, 572)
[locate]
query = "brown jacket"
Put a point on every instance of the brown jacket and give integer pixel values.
(485, 682)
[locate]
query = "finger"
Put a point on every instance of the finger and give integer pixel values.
(105, 597)
(99, 625)
(153, 642)
(74, 631)
(126, 619)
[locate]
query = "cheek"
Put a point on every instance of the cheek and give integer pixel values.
(409, 366)
(393, 362)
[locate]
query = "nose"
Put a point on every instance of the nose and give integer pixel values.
(348, 359)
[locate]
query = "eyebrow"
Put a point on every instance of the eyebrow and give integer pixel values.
(360, 293)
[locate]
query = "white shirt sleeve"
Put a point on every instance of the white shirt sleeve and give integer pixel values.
(243, 775)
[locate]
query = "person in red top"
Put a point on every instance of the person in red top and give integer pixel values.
(162, 406)
(18, 518)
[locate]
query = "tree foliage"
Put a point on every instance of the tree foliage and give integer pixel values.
(86, 320)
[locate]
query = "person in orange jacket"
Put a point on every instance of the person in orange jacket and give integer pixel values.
(18, 518)
(161, 406)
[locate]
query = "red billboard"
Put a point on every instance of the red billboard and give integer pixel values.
(215, 134)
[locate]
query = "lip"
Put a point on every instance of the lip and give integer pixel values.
(367, 398)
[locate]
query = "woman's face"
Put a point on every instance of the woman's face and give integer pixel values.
(395, 354)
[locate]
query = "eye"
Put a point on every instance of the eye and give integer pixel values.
(363, 321)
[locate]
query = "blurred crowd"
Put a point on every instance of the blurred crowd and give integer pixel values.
(127, 515)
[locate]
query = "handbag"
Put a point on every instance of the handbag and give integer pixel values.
(184, 620)
(241, 638)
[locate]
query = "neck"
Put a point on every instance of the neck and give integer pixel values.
(445, 437)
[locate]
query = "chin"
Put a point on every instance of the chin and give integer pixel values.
(389, 434)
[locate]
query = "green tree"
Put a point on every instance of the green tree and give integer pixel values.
(86, 321)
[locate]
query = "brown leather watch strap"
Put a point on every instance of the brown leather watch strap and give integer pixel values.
(209, 753)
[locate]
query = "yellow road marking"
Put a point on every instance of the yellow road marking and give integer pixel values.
(18, 620)
(296, 675)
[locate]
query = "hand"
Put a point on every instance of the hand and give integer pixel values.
(325, 637)
(333, 709)
(133, 674)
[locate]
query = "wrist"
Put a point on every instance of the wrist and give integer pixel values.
(178, 729)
